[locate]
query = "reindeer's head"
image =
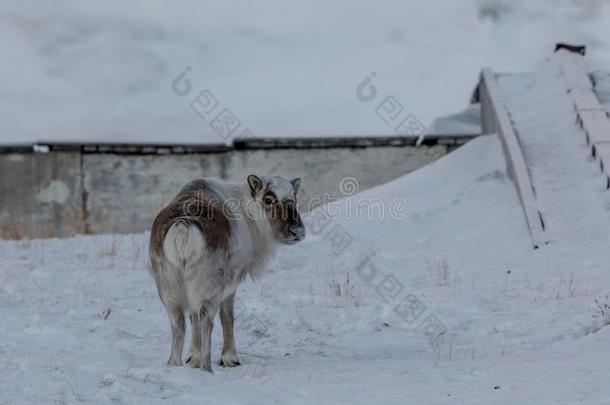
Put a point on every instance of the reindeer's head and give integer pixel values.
(278, 197)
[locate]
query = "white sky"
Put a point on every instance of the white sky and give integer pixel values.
(101, 72)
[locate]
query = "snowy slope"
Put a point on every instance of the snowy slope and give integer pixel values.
(101, 72)
(519, 323)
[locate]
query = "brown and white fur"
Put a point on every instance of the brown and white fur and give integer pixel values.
(205, 242)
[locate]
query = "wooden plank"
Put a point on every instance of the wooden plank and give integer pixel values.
(590, 115)
(574, 71)
(495, 118)
(595, 126)
(585, 100)
(602, 152)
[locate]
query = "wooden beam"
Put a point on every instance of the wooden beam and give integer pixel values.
(590, 115)
(495, 119)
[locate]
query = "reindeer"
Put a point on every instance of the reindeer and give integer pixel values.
(205, 242)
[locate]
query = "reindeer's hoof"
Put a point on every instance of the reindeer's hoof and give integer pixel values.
(225, 363)
(193, 362)
(229, 360)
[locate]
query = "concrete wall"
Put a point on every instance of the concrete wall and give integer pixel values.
(40, 195)
(62, 194)
(125, 192)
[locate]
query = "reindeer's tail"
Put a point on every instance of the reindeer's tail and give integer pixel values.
(183, 243)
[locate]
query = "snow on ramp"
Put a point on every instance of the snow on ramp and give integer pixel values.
(602, 88)
(82, 322)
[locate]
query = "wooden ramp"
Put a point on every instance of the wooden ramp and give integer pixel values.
(566, 72)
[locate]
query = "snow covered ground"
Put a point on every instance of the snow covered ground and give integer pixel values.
(328, 324)
(101, 72)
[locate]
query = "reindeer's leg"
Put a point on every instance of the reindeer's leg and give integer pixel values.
(206, 317)
(229, 354)
(204, 291)
(195, 355)
(176, 320)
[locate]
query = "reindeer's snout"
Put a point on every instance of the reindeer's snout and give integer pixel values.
(296, 233)
(294, 230)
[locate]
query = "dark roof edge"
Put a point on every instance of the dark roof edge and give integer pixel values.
(239, 144)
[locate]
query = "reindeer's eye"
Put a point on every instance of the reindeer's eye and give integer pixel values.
(268, 199)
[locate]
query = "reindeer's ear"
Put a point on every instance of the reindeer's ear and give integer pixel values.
(255, 183)
(296, 184)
